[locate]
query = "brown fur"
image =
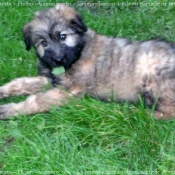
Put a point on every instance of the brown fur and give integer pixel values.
(107, 68)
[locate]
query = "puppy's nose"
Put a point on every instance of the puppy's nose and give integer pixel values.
(59, 59)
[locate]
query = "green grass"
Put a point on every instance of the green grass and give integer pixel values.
(86, 136)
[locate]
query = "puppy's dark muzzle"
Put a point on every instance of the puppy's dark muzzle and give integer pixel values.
(59, 59)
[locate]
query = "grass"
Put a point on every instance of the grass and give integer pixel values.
(86, 136)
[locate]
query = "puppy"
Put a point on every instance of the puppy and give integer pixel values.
(100, 66)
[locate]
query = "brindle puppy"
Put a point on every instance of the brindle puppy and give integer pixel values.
(100, 66)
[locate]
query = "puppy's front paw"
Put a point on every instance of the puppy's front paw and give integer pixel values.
(2, 93)
(7, 110)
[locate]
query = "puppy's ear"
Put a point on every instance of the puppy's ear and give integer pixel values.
(27, 36)
(77, 24)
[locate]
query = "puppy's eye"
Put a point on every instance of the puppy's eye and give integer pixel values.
(63, 36)
(44, 43)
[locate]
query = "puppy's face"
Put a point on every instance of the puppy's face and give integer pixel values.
(57, 36)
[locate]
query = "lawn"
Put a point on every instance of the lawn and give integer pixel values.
(86, 136)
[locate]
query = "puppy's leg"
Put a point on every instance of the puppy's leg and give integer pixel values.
(37, 103)
(165, 108)
(165, 111)
(23, 86)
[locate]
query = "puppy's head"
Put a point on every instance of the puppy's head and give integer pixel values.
(57, 35)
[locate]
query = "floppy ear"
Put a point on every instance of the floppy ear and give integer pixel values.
(27, 36)
(77, 24)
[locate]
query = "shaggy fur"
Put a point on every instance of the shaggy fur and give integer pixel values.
(100, 66)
